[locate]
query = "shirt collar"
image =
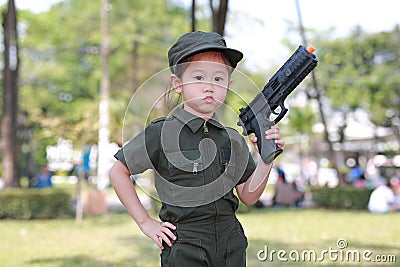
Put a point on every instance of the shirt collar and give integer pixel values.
(194, 122)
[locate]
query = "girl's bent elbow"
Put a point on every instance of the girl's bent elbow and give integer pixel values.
(116, 170)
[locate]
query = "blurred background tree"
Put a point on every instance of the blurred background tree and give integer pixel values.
(362, 72)
(10, 110)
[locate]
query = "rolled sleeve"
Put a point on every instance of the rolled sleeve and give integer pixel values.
(142, 152)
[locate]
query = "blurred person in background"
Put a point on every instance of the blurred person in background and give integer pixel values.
(286, 194)
(382, 199)
(43, 179)
(395, 184)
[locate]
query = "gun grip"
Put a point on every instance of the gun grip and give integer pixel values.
(267, 148)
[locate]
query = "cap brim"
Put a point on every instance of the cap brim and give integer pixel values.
(234, 56)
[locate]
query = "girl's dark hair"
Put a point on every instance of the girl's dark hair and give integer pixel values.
(171, 100)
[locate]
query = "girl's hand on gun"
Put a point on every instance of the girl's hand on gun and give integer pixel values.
(272, 133)
(158, 231)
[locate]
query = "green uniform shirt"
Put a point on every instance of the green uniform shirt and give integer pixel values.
(196, 165)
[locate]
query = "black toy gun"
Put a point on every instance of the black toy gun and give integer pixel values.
(255, 118)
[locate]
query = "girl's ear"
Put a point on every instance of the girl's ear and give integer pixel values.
(230, 84)
(176, 83)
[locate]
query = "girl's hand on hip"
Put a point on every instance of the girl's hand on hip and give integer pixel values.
(158, 231)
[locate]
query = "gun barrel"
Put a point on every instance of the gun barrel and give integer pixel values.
(288, 77)
(284, 81)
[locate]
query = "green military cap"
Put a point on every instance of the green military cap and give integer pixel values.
(195, 42)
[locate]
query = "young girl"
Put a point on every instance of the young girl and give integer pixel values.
(197, 162)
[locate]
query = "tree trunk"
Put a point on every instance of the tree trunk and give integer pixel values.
(9, 123)
(318, 96)
(134, 53)
(193, 15)
(219, 16)
(104, 105)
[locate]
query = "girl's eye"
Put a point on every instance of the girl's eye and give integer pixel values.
(218, 79)
(198, 77)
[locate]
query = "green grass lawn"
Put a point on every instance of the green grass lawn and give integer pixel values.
(115, 240)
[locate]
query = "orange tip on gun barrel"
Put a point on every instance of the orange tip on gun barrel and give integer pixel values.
(310, 49)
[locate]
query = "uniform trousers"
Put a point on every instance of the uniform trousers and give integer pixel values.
(217, 242)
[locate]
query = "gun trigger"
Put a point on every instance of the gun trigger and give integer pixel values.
(240, 123)
(274, 112)
(283, 112)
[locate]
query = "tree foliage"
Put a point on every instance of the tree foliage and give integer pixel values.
(61, 67)
(362, 72)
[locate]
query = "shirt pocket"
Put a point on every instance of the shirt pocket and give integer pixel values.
(185, 168)
(227, 165)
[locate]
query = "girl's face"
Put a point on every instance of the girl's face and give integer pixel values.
(204, 84)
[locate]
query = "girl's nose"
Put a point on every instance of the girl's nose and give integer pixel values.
(208, 88)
